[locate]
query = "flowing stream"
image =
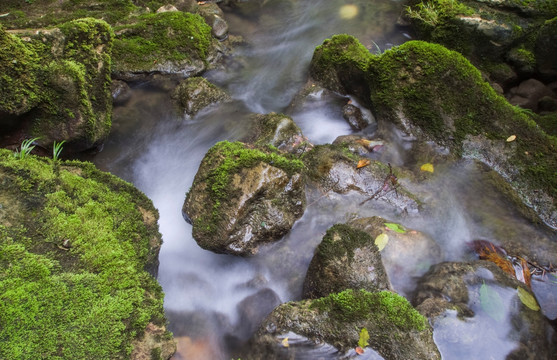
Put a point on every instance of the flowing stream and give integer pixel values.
(159, 152)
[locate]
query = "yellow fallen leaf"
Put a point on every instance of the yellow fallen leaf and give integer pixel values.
(427, 167)
(527, 299)
(348, 11)
(511, 138)
(363, 142)
(381, 241)
(362, 163)
(285, 342)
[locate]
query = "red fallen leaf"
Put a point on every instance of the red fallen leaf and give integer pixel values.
(359, 350)
(479, 245)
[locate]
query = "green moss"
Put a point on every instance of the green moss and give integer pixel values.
(88, 301)
(385, 308)
(332, 248)
(173, 36)
(19, 91)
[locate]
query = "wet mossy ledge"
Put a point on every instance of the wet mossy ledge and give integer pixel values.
(437, 95)
(78, 255)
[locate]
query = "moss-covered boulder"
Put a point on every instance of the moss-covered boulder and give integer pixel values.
(169, 42)
(346, 258)
(242, 197)
(396, 330)
(436, 95)
(58, 86)
(335, 168)
(196, 93)
(78, 255)
(469, 302)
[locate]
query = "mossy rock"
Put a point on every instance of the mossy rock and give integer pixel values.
(78, 255)
(396, 330)
(169, 42)
(346, 258)
(277, 130)
(196, 93)
(64, 78)
(437, 95)
(243, 197)
(483, 31)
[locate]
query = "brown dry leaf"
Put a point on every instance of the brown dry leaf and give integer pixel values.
(492, 255)
(362, 163)
(526, 273)
(359, 350)
(365, 143)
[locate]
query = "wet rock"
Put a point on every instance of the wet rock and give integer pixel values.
(546, 50)
(353, 115)
(167, 8)
(396, 330)
(121, 92)
(194, 94)
(279, 131)
(252, 310)
(214, 16)
(406, 255)
(360, 145)
(242, 197)
(334, 168)
(529, 93)
(346, 258)
(483, 293)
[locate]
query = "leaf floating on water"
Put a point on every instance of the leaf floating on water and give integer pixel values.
(396, 227)
(511, 138)
(364, 337)
(381, 241)
(284, 342)
(359, 350)
(427, 167)
(492, 303)
(362, 163)
(527, 299)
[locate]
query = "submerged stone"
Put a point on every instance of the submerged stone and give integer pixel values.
(196, 93)
(474, 305)
(243, 197)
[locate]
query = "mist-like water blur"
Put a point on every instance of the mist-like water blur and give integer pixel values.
(160, 153)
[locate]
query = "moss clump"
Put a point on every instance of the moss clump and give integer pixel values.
(331, 248)
(73, 283)
(169, 36)
(385, 308)
(19, 91)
